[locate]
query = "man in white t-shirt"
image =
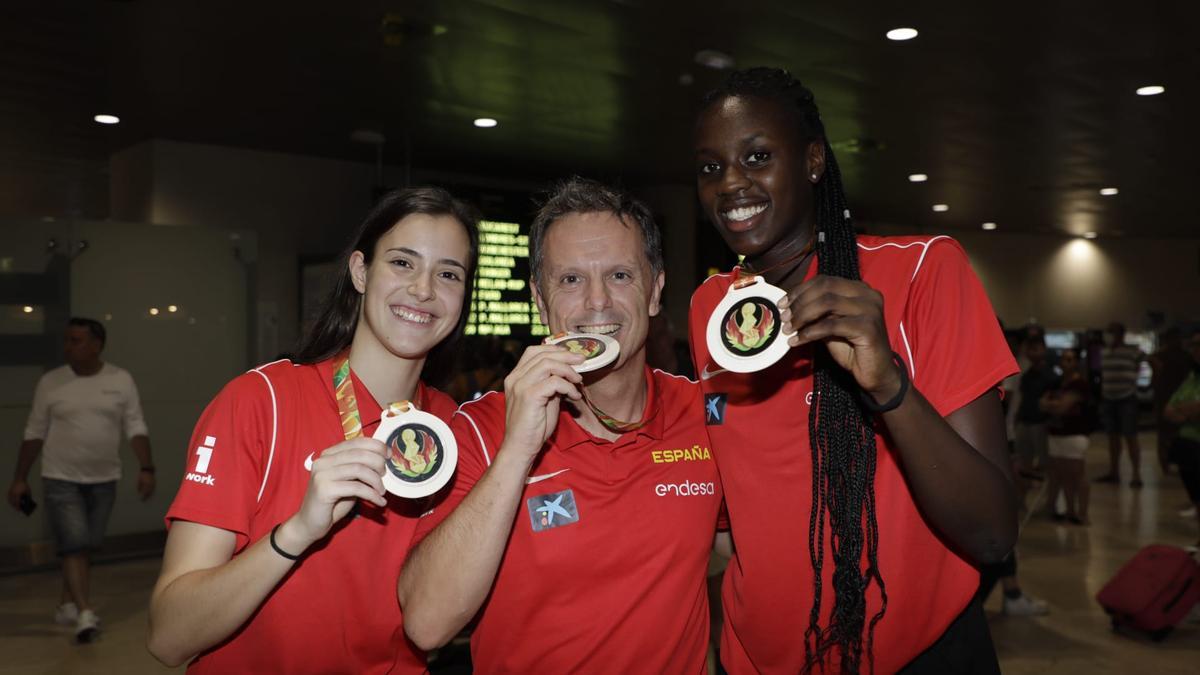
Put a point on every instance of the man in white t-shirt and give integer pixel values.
(78, 412)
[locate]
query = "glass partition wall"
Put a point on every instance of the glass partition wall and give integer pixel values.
(176, 303)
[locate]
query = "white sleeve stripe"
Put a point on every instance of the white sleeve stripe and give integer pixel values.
(482, 446)
(274, 430)
(920, 261)
(912, 365)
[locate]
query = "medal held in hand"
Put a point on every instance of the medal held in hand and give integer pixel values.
(745, 333)
(600, 350)
(422, 452)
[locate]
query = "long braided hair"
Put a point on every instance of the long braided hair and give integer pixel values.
(841, 432)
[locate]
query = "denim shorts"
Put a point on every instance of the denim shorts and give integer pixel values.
(78, 513)
(1120, 416)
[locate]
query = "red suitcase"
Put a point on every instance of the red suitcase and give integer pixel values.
(1154, 591)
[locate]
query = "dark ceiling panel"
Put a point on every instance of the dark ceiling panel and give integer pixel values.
(1018, 111)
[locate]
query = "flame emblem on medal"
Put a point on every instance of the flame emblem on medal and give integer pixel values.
(413, 452)
(751, 326)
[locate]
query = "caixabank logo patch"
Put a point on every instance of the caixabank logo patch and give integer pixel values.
(556, 509)
(714, 409)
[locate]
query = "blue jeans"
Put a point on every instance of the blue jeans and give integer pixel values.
(78, 513)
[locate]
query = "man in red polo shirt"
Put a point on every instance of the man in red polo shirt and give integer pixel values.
(584, 538)
(940, 322)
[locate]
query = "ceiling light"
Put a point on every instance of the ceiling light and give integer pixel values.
(153, 311)
(107, 119)
(172, 308)
(27, 309)
(901, 34)
(1151, 90)
(941, 208)
(1108, 192)
(713, 58)
(1089, 235)
(485, 122)
(917, 178)
(989, 226)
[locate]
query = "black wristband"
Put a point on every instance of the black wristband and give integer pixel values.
(878, 409)
(278, 550)
(148, 469)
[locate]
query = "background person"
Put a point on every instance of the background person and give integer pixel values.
(1069, 427)
(1118, 403)
(78, 412)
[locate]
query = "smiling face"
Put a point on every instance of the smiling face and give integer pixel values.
(412, 291)
(754, 174)
(595, 279)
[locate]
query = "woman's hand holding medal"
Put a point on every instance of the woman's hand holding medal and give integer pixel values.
(341, 475)
(847, 316)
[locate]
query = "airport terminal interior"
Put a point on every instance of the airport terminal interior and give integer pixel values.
(187, 175)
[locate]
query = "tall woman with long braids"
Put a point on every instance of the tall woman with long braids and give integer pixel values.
(865, 471)
(284, 547)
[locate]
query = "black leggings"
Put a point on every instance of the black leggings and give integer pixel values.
(964, 649)
(1186, 454)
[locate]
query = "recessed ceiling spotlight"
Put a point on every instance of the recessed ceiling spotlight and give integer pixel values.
(713, 58)
(1089, 235)
(485, 122)
(27, 309)
(153, 311)
(989, 226)
(941, 208)
(917, 178)
(1108, 192)
(107, 119)
(1151, 90)
(901, 34)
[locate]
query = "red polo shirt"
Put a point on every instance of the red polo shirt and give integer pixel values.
(248, 470)
(605, 567)
(940, 322)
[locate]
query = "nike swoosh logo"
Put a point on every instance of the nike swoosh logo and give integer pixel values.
(308, 463)
(707, 374)
(537, 479)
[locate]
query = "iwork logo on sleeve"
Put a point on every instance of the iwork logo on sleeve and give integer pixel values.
(553, 510)
(203, 457)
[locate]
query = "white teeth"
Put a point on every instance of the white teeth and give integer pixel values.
(601, 328)
(744, 212)
(408, 315)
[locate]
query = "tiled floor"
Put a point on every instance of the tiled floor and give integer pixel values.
(1065, 565)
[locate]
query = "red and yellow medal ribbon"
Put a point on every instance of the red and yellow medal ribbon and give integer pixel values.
(611, 423)
(343, 391)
